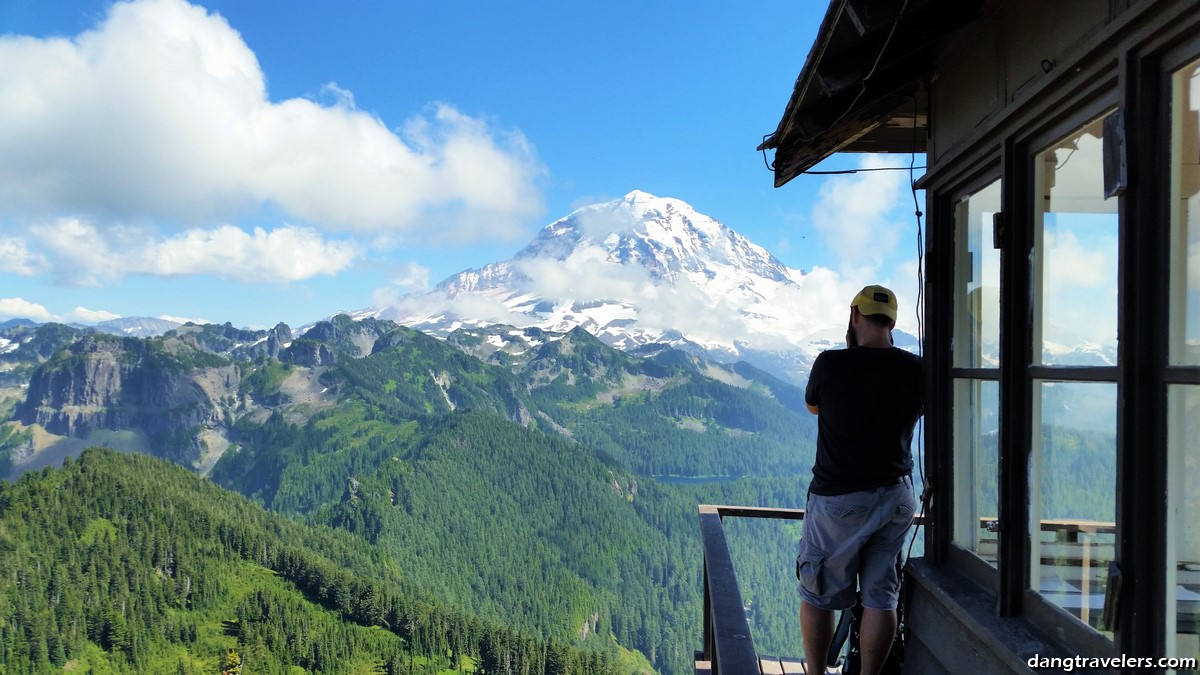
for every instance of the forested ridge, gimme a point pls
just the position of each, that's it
(512, 493)
(124, 563)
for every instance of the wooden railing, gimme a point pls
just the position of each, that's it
(728, 645)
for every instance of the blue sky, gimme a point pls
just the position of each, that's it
(267, 161)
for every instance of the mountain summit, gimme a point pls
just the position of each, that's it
(634, 271)
(667, 237)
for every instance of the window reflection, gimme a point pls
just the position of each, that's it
(1072, 496)
(1183, 541)
(976, 468)
(1185, 219)
(977, 281)
(1075, 249)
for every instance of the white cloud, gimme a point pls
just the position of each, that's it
(85, 315)
(816, 307)
(162, 112)
(1079, 291)
(16, 258)
(1193, 266)
(599, 223)
(412, 276)
(586, 273)
(181, 319)
(408, 278)
(283, 254)
(84, 255)
(852, 213)
(482, 307)
(821, 305)
(20, 308)
(1071, 262)
(905, 285)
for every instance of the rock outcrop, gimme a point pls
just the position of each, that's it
(163, 387)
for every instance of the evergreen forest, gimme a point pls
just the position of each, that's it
(365, 498)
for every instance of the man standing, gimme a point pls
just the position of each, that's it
(867, 399)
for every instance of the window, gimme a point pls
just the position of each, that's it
(1185, 219)
(976, 423)
(1183, 542)
(1183, 400)
(976, 357)
(977, 282)
(1075, 246)
(1073, 453)
(1072, 497)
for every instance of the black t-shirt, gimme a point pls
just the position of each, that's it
(869, 400)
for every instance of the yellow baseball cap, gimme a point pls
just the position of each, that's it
(876, 300)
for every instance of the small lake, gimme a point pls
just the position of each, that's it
(695, 480)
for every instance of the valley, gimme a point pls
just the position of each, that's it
(517, 491)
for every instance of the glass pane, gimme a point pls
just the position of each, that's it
(1183, 527)
(976, 421)
(977, 281)
(1072, 494)
(1075, 249)
(1185, 219)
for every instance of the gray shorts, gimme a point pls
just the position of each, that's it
(855, 539)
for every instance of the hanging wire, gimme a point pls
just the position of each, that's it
(908, 168)
(920, 310)
(878, 58)
(770, 165)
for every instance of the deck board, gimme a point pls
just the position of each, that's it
(792, 666)
(769, 665)
(786, 665)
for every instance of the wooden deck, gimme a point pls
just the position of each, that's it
(773, 665)
(767, 665)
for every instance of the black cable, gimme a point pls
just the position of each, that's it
(909, 169)
(770, 165)
(926, 492)
(878, 58)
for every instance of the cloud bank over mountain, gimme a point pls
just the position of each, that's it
(645, 269)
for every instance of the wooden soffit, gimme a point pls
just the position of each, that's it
(863, 85)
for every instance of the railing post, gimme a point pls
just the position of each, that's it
(728, 647)
(727, 634)
(708, 620)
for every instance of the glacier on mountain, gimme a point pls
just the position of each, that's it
(639, 270)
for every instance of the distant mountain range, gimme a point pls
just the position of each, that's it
(510, 473)
(636, 272)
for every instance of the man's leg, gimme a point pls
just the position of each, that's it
(816, 630)
(875, 637)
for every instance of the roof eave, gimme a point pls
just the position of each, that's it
(863, 86)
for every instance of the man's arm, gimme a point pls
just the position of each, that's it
(812, 408)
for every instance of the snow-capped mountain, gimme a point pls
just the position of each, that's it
(137, 326)
(635, 271)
